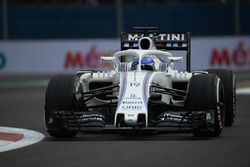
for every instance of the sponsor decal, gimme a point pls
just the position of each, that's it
(131, 115)
(131, 107)
(133, 102)
(240, 56)
(90, 59)
(172, 117)
(91, 117)
(2, 61)
(133, 96)
(160, 37)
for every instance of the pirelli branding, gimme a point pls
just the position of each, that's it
(179, 37)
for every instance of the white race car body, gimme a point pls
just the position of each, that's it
(143, 91)
(134, 85)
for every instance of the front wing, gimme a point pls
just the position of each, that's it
(95, 122)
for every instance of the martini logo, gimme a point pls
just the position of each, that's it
(160, 37)
(239, 56)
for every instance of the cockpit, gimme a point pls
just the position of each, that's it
(147, 63)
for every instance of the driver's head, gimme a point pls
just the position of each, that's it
(147, 63)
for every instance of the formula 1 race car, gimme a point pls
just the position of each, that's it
(143, 92)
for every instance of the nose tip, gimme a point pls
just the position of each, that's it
(130, 118)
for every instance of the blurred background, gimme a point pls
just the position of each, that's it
(40, 38)
(44, 37)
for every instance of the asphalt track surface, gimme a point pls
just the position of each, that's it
(23, 108)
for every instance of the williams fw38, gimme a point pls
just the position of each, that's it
(143, 92)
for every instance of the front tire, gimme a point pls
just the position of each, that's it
(206, 94)
(229, 84)
(59, 97)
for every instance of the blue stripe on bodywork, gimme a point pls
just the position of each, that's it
(123, 87)
(145, 87)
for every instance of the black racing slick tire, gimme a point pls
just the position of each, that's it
(229, 84)
(206, 94)
(59, 97)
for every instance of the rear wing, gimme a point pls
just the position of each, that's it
(169, 41)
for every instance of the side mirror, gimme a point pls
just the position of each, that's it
(175, 59)
(107, 59)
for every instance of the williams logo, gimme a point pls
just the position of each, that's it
(131, 115)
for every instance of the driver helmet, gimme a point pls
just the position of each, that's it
(147, 63)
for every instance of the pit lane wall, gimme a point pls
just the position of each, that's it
(66, 56)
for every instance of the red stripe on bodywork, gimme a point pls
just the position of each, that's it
(10, 136)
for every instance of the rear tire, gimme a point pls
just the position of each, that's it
(59, 97)
(206, 94)
(229, 84)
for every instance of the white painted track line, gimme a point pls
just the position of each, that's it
(29, 137)
(243, 91)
